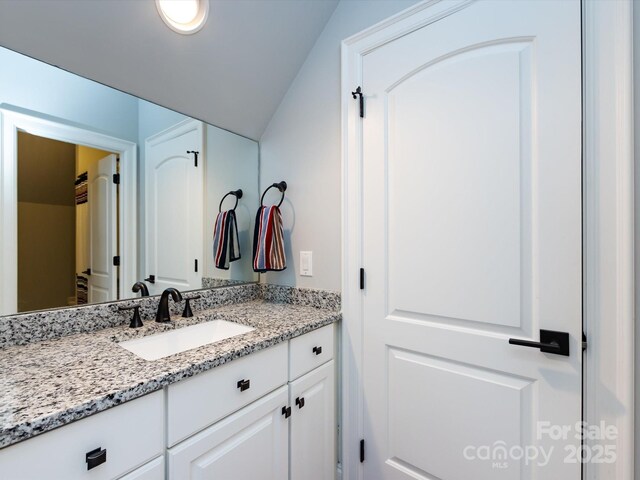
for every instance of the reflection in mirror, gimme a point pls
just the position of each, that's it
(101, 190)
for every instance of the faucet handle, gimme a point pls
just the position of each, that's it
(136, 321)
(187, 312)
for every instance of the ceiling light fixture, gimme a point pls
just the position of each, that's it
(183, 16)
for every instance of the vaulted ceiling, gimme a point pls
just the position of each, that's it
(233, 73)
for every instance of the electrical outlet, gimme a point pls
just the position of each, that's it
(306, 264)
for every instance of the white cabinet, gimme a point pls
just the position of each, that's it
(289, 433)
(310, 350)
(154, 470)
(120, 438)
(238, 421)
(251, 444)
(313, 425)
(202, 400)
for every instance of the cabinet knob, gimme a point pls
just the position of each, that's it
(96, 457)
(317, 350)
(244, 384)
(286, 411)
(300, 402)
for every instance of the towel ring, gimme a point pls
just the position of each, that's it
(281, 186)
(235, 193)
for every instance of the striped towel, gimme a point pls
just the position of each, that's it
(82, 289)
(226, 248)
(81, 188)
(268, 240)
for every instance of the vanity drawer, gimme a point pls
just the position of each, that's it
(202, 400)
(130, 433)
(154, 470)
(310, 350)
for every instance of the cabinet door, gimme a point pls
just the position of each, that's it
(313, 425)
(248, 445)
(122, 438)
(154, 470)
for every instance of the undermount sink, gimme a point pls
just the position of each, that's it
(180, 340)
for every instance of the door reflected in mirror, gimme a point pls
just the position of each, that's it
(110, 190)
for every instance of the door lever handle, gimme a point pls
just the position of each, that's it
(550, 342)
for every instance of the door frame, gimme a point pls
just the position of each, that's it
(14, 119)
(608, 223)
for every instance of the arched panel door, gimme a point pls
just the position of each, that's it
(103, 230)
(472, 237)
(173, 208)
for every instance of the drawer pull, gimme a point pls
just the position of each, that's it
(96, 457)
(317, 350)
(286, 411)
(244, 385)
(300, 402)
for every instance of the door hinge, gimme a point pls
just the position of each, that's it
(355, 95)
(116, 261)
(362, 279)
(362, 450)
(195, 265)
(195, 157)
(584, 341)
(116, 178)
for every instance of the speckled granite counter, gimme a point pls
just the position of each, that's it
(51, 383)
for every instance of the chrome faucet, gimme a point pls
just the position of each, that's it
(140, 286)
(163, 314)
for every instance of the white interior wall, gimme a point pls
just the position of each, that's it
(636, 75)
(232, 163)
(302, 145)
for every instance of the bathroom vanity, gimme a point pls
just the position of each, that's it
(256, 405)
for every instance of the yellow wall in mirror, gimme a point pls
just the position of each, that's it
(86, 156)
(46, 223)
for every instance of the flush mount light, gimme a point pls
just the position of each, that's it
(183, 16)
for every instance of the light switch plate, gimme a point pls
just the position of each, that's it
(306, 264)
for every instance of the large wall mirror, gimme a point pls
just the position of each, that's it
(100, 190)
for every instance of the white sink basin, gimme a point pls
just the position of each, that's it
(164, 344)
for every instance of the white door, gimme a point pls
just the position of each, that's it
(174, 198)
(248, 445)
(313, 425)
(103, 229)
(472, 236)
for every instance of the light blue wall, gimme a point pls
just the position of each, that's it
(231, 163)
(153, 118)
(36, 86)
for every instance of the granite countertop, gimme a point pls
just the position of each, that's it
(51, 383)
